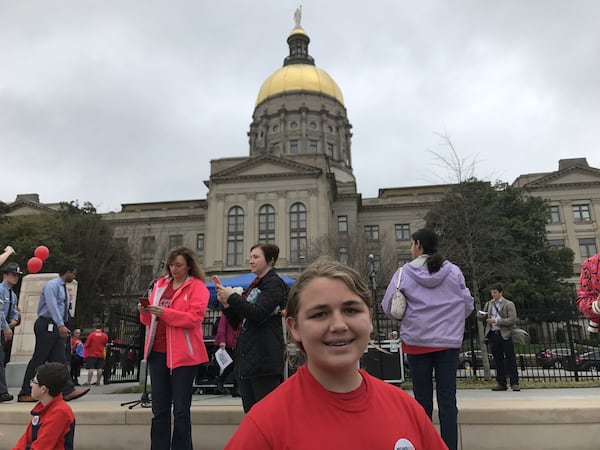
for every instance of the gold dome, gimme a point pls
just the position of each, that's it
(299, 77)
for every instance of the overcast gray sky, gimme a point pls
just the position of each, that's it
(128, 101)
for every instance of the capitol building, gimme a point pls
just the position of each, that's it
(296, 188)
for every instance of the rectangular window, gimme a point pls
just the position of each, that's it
(375, 264)
(200, 242)
(343, 224)
(343, 255)
(312, 146)
(148, 245)
(330, 150)
(557, 243)
(372, 232)
(146, 276)
(587, 247)
(581, 213)
(175, 240)
(294, 146)
(553, 214)
(402, 231)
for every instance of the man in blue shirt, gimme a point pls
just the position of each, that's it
(51, 333)
(8, 320)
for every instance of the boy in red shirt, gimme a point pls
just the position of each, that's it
(94, 347)
(52, 426)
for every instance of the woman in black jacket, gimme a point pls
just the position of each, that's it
(260, 349)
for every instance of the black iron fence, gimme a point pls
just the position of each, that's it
(561, 347)
(125, 348)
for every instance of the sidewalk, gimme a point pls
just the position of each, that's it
(532, 418)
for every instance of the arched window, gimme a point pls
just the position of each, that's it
(235, 236)
(297, 232)
(266, 224)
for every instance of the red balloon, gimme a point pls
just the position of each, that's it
(42, 252)
(34, 264)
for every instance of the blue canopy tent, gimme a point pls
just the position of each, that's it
(239, 281)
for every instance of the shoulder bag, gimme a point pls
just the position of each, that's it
(518, 335)
(398, 300)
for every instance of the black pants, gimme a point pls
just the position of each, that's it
(504, 357)
(49, 347)
(254, 389)
(7, 347)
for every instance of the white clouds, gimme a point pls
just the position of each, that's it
(120, 93)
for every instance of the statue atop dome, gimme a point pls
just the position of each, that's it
(298, 17)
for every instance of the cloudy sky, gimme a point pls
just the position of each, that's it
(128, 101)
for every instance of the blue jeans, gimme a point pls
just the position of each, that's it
(422, 368)
(167, 388)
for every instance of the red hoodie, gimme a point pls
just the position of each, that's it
(183, 320)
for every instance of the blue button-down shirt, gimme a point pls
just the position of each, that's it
(52, 301)
(9, 312)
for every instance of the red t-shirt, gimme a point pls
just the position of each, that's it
(160, 340)
(95, 343)
(301, 414)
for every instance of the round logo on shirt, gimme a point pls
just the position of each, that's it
(35, 420)
(404, 444)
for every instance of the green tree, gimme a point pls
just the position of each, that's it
(495, 234)
(79, 236)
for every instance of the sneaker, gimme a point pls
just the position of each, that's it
(87, 383)
(97, 383)
(26, 398)
(515, 387)
(499, 387)
(6, 397)
(75, 394)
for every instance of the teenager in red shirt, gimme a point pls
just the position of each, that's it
(330, 402)
(95, 345)
(52, 426)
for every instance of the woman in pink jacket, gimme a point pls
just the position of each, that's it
(175, 346)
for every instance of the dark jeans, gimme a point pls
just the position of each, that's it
(167, 388)
(254, 389)
(422, 368)
(3, 388)
(76, 363)
(49, 347)
(505, 359)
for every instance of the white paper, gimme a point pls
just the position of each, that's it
(223, 359)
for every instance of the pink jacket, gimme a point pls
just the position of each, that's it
(185, 339)
(225, 333)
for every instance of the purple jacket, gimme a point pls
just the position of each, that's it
(437, 305)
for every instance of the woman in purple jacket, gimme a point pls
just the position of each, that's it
(438, 302)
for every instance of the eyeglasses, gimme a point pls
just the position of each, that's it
(34, 381)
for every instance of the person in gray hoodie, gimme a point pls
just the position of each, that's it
(438, 302)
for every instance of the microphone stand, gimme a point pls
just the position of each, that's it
(146, 399)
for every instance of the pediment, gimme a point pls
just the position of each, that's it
(266, 166)
(574, 175)
(26, 208)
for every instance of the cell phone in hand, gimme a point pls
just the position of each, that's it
(144, 302)
(215, 279)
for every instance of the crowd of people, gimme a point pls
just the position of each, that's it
(328, 315)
